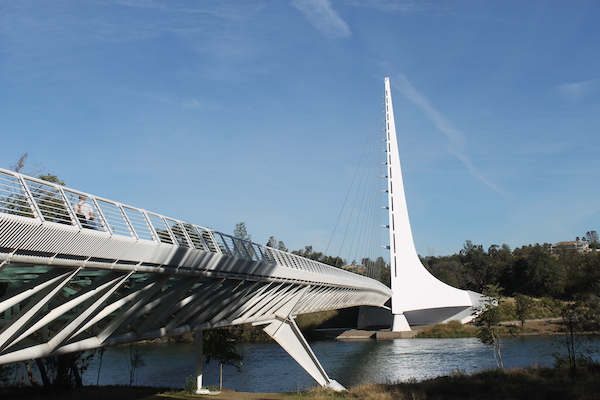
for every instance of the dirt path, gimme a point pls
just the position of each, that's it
(541, 327)
(227, 395)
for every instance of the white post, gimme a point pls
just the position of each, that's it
(198, 354)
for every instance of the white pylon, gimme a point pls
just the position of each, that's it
(419, 298)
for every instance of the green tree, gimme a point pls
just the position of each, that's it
(583, 276)
(487, 320)
(592, 238)
(579, 318)
(51, 178)
(136, 361)
(536, 272)
(65, 370)
(523, 304)
(6, 372)
(477, 265)
(333, 261)
(276, 244)
(501, 261)
(219, 345)
(374, 268)
(241, 232)
(448, 269)
(311, 254)
(386, 275)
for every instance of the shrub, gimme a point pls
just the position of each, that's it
(451, 329)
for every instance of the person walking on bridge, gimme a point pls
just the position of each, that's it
(85, 213)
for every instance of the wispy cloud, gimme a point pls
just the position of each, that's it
(186, 103)
(196, 104)
(456, 137)
(404, 6)
(220, 39)
(324, 18)
(579, 90)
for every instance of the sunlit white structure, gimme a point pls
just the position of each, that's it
(419, 298)
(68, 285)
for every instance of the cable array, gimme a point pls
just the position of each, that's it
(362, 217)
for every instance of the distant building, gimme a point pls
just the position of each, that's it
(582, 247)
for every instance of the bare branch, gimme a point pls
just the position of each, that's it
(20, 164)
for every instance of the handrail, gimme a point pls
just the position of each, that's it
(51, 203)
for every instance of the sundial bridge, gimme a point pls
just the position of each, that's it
(70, 284)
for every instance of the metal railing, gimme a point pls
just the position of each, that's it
(51, 203)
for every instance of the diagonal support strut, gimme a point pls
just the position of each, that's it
(285, 332)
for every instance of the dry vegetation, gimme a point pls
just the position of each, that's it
(516, 384)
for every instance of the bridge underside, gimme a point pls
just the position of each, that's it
(68, 285)
(47, 310)
(50, 310)
(57, 303)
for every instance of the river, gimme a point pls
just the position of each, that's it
(268, 368)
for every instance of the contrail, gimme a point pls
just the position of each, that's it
(456, 137)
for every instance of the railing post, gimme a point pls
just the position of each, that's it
(127, 221)
(30, 198)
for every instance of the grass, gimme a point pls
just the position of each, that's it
(87, 393)
(544, 307)
(517, 384)
(452, 329)
(513, 384)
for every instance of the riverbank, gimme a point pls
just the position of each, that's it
(136, 393)
(541, 327)
(514, 384)
(534, 327)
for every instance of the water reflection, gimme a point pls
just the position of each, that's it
(267, 368)
(401, 360)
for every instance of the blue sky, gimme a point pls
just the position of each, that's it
(217, 111)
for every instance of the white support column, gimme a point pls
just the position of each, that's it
(399, 323)
(285, 332)
(198, 354)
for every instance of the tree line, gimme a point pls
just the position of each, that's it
(533, 270)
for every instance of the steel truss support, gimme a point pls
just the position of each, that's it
(285, 332)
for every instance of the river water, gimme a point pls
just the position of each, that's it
(268, 368)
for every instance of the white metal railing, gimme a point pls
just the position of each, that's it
(28, 197)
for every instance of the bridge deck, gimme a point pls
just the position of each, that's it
(69, 284)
